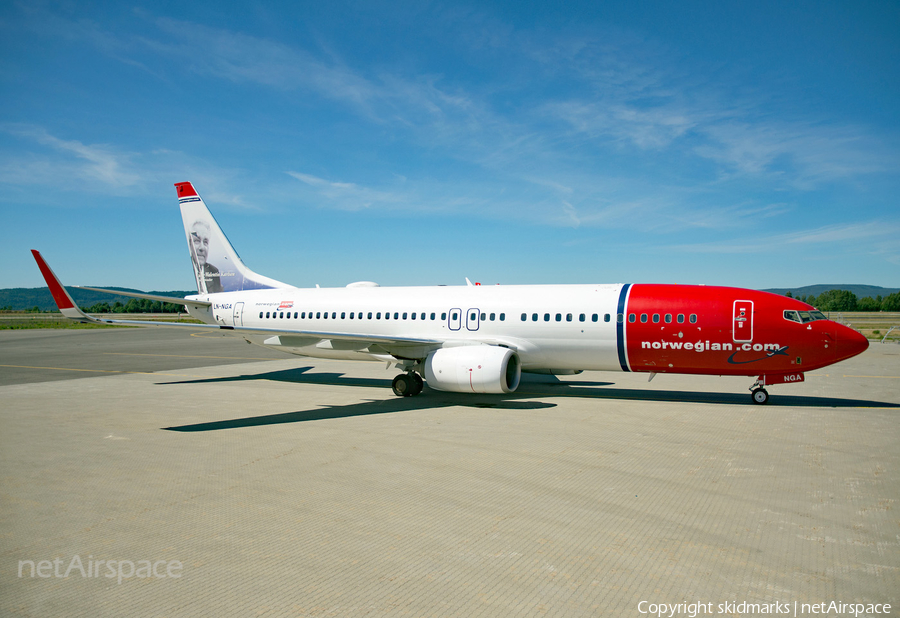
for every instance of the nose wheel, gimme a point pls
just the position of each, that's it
(407, 384)
(760, 396)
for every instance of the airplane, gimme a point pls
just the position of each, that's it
(479, 339)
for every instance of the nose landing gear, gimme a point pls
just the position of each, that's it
(760, 396)
(758, 392)
(408, 384)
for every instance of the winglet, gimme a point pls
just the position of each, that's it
(65, 303)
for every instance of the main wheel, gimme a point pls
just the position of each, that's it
(418, 383)
(760, 396)
(403, 385)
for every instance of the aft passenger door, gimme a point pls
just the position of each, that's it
(238, 314)
(742, 321)
(473, 319)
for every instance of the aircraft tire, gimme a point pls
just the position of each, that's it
(418, 383)
(403, 385)
(760, 396)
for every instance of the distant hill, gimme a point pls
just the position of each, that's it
(25, 298)
(861, 291)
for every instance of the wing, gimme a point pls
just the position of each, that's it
(199, 304)
(401, 347)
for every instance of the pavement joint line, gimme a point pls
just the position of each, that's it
(146, 373)
(188, 356)
(878, 377)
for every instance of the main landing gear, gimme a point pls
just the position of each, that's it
(758, 392)
(408, 384)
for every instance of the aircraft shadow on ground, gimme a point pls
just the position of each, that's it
(519, 400)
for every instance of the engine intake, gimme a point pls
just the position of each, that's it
(473, 369)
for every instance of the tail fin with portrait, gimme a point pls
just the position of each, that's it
(217, 266)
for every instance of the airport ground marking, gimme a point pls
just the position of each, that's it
(190, 356)
(880, 377)
(118, 371)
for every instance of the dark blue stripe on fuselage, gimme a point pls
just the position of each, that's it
(620, 327)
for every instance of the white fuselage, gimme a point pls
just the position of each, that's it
(566, 327)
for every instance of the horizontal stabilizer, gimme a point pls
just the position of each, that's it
(199, 304)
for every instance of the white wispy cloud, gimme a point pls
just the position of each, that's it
(348, 195)
(807, 154)
(84, 162)
(617, 93)
(867, 236)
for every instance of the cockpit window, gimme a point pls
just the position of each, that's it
(793, 316)
(804, 317)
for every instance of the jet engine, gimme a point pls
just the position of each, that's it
(473, 369)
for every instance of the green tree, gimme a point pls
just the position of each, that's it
(789, 295)
(836, 300)
(102, 307)
(891, 302)
(868, 304)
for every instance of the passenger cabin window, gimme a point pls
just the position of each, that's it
(582, 317)
(369, 315)
(620, 318)
(443, 316)
(524, 316)
(483, 316)
(343, 315)
(631, 318)
(559, 317)
(693, 318)
(656, 318)
(643, 318)
(502, 317)
(432, 316)
(546, 317)
(534, 317)
(568, 317)
(493, 315)
(404, 315)
(681, 318)
(668, 318)
(260, 314)
(606, 317)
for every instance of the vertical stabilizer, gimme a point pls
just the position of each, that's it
(217, 266)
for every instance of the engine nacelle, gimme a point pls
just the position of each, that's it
(473, 369)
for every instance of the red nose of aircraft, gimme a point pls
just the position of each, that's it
(848, 342)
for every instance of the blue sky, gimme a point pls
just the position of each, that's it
(748, 144)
